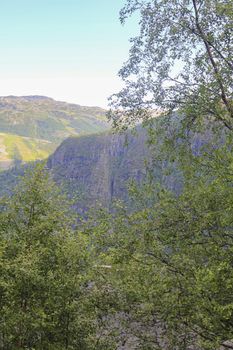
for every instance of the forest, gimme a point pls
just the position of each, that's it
(155, 272)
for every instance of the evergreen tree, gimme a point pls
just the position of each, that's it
(46, 300)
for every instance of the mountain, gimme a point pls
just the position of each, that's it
(97, 168)
(31, 127)
(94, 168)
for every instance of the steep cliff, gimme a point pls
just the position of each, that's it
(97, 168)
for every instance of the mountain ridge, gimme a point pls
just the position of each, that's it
(42, 118)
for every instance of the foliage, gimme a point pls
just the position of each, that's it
(172, 258)
(160, 276)
(181, 59)
(172, 263)
(48, 299)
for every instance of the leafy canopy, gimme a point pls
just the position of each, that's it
(181, 59)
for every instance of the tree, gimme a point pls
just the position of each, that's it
(181, 60)
(171, 263)
(171, 259)
(46, 298)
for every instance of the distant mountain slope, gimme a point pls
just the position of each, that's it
(14, 149)
(31, 127)
(98, 168)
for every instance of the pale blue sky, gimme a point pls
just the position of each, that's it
(67, 49)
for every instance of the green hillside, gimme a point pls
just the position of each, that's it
(31, 127)
(15, 149)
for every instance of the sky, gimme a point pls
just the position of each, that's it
(70, 50)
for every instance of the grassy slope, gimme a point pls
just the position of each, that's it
(32, 127)
(15, 148)
(45, 118)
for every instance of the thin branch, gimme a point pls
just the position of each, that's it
(212, 61)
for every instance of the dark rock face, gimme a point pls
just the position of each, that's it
(98, 167)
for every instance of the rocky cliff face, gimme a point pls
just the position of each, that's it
(98, 167)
